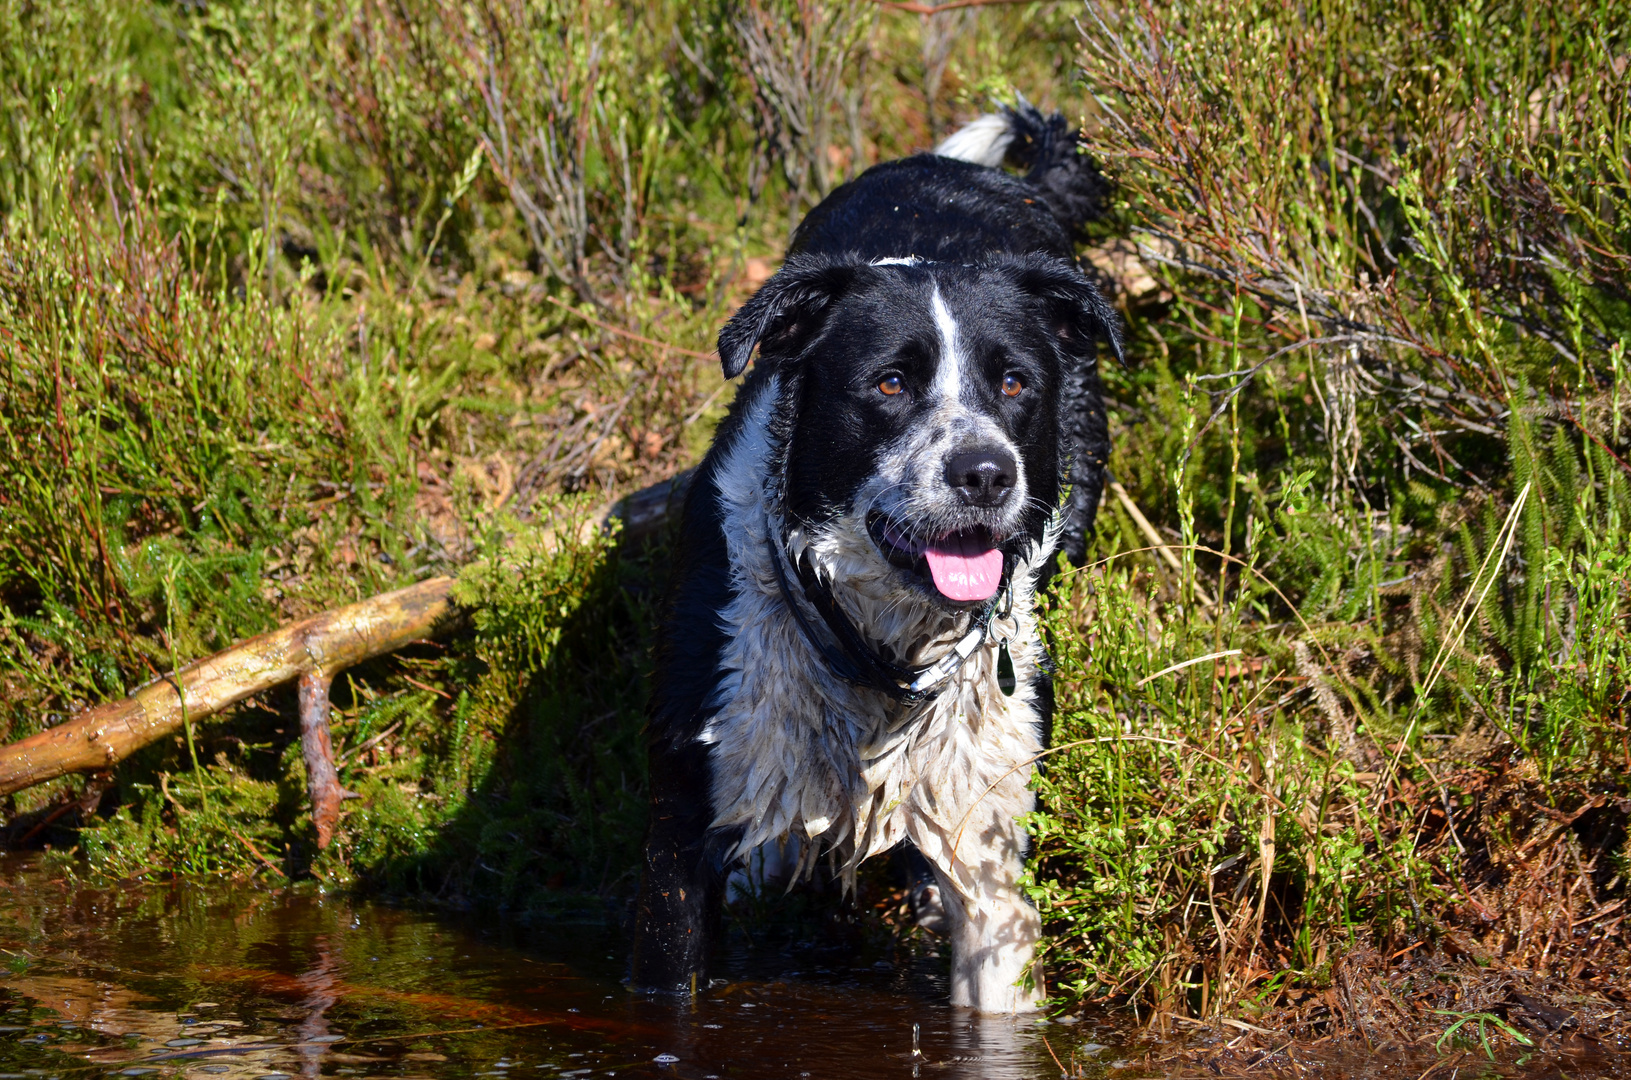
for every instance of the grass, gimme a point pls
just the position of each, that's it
(303, 301)
(1382, 405)
(1484, 1022)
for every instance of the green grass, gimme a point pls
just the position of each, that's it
(1380, 399)
(303, 301)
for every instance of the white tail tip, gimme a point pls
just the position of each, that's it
(982, 141)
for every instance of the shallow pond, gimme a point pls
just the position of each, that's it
(240, 983)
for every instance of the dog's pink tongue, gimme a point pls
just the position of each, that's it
(963, 570)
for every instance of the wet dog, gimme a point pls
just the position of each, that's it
(850, 659)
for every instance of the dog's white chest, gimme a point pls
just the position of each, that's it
(798, 753)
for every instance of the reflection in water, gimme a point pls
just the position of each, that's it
(320, 994)
(231, 983)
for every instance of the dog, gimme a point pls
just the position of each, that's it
(850, 661)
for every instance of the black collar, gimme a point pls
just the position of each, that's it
(856, 662)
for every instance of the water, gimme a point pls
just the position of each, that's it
(239, 982)
(226, 981)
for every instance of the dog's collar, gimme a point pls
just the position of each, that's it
(856, 662)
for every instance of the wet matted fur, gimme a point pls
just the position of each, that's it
(922, 433)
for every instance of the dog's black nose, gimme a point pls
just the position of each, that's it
(982, 477)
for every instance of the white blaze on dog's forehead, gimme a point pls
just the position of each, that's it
(948, 374)
(910, 260)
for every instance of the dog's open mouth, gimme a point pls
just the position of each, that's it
(965, 566)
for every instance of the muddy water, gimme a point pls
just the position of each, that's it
(240, 983)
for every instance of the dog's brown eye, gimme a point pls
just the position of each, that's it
(1011, 385)
(891, 386)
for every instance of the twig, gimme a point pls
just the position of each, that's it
(1245, 377)
(1594, 437)
(373, 742)
(706, 405)
(1443, 1063)
(615, 329)
(1162, 548)
(1180, 665)
(1510, 530)
(426, 687)
(255, 851)
(50, 820)
(1062, 1070)
(913, 8)
(1241, 1025)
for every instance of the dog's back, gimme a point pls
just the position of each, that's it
(955, 204)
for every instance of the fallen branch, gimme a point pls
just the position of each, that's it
(312, 651)
(324, 644)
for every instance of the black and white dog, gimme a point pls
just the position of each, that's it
(850, 659)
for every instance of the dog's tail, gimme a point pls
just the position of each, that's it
(1049, 149)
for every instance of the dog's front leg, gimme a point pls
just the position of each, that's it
(678, 906)
(994, 928)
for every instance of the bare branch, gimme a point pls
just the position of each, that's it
(326, 643)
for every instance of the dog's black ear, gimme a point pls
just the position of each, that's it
(1079, 318)
(785, 313)
(1078, 313)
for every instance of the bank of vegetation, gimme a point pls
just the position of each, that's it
(307, 300)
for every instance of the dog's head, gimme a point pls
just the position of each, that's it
(941, 409)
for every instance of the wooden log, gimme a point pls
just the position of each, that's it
(313, 651)
(324, 644)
